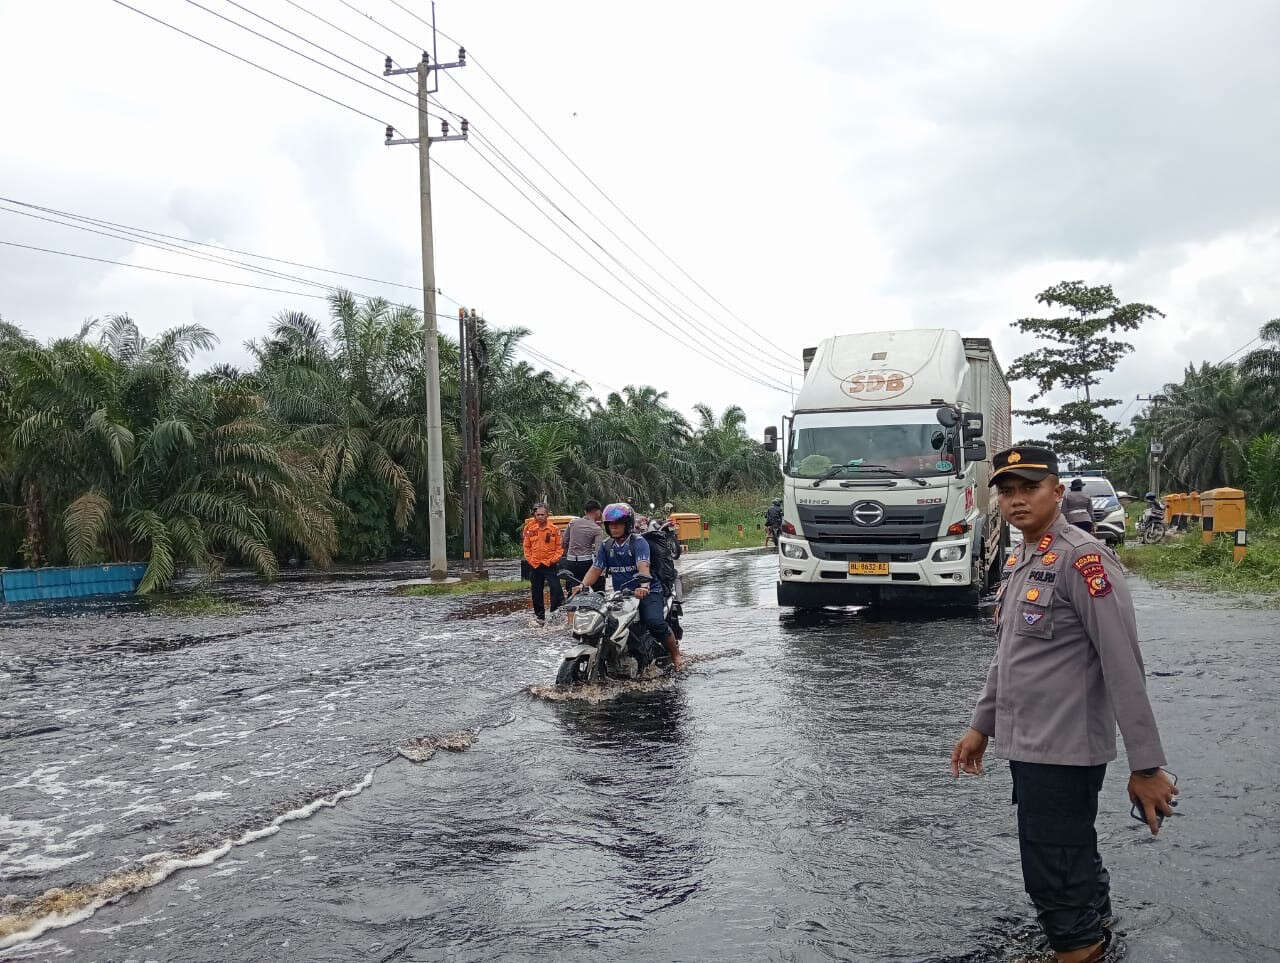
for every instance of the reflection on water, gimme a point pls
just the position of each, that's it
(242, 785)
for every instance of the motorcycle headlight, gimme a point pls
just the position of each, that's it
(791, 550)
(587, 621)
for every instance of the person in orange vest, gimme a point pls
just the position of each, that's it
(542, 550)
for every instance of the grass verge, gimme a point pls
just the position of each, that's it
(199, 604)
(1183, 560)
(724, 513)
(476, 587)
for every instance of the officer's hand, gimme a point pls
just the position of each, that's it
(968, 752)
(1153, 795)
(641, 592)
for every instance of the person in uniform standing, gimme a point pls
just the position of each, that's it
(1067, 669)
(581, 540)
(1077, 507)
(542, 549)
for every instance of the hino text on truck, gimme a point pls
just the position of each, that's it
(885, 465)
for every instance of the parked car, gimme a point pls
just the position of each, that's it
(1108, 514)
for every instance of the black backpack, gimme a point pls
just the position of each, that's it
(662, 563)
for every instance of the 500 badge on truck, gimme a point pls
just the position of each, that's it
(875, 385)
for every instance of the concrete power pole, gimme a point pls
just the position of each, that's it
(1155, 453)
(431, 342)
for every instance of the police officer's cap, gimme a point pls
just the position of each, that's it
(1026, 461)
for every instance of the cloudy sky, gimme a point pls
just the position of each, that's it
(818, 168)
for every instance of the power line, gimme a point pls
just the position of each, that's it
(143, 267)
(754, 367)
(369, 16)
(601, 191)
(762, 356)
(186, 240)
(1239, 349)
(596, 284)
(299, 53)
(772, 359)
(245, 60)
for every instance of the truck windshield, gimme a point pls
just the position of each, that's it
(909, 449)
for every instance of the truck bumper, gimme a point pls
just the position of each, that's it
(812, 581)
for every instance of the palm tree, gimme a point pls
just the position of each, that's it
(726, 457)
(1208, 422)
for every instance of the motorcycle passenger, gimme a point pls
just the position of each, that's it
(624, 556)
(773, 521)
(1077, 507)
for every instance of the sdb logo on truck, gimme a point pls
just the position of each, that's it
(875, 385)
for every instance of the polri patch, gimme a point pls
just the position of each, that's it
(1099, 585)
(1033, 594)
(1049, 558)
(1045, 543)
(1040, 575)
(1031, 618)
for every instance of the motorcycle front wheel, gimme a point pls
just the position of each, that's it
(1153, 533)
(574, 671)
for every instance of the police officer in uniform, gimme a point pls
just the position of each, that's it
(1067, 670)
(1077, 507)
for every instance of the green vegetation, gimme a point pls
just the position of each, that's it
(111, 449)
(194, 605)
(1084, 345)
(724, 513)
(473, 587)
(1183, 560)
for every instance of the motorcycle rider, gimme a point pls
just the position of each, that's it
(624, 556)
(1077, 507)
(773, 521)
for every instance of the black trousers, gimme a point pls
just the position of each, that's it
(544, 576)
(1061, 869)
(579, 570)
(1084, 526)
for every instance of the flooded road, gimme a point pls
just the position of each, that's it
(339, 773)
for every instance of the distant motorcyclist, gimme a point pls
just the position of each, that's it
(624, 556)
(773, 521)
(1077, 507)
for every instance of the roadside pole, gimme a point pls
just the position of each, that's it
(430, 336)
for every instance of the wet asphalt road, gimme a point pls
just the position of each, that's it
(786, 798)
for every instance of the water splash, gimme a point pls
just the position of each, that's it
(596, 692)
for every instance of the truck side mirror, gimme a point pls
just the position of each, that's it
(770, 438)
(973, 425)
(948, 417)
(975, 451)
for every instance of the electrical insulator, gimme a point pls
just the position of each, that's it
(388, 63)
(462, 55)
(464, 127)
(390, 132)
(426, 58)
(444, 128)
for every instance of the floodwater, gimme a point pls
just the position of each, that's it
(339, 773)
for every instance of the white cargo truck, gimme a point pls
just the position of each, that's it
(886, 466)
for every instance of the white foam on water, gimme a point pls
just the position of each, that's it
(208, 796)
(58, 908)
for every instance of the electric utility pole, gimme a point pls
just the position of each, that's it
(1156, 451)
(431, 343)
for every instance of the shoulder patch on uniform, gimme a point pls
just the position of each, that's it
(1099, 584)
(1045, 543)
(1049, 558)
(1084, 561)
(1031, 618)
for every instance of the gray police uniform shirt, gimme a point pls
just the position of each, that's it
(581, 538)
(1077, 507)
(1067, 667)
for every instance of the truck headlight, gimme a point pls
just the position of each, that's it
(950, 553)
(792, 550)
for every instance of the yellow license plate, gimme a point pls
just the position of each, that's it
(868, 568)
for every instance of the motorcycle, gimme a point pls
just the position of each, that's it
(609, 640)
(1151, 526)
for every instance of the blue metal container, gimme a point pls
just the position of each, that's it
(70, 582)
